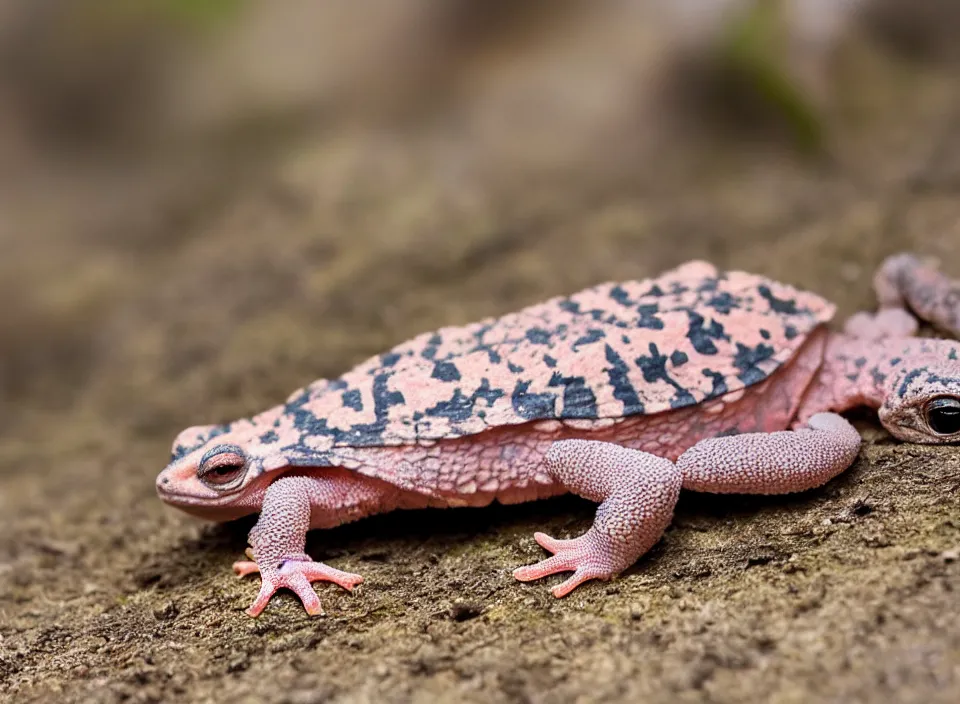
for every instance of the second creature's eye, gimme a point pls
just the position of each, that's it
(943, 416)
(222, 468)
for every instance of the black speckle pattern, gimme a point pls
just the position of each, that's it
(614, 350)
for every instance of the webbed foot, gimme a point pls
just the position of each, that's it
(296, 574)
(587, 557)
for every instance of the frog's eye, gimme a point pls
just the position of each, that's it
(222, 468)
(943, 415)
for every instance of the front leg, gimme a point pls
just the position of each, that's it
(278, 540)
(905, 283)
(772, 463)
(638, 492)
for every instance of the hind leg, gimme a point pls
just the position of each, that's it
(772, 463)
(907, 285)
(637, 491)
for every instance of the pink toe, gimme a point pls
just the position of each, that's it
(548, 543)
(544, 568)
(300, 585)
(243, 568)
(524, 574)
(317, 571)
(578, 578)
(267, 590)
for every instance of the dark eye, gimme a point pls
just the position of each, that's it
(223, 469)
(943, 416)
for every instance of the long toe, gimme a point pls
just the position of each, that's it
(575, 580)
(300, 585)
(267, 589)
(553, 545)
(317, 572)
(242, 568)
(544, 568)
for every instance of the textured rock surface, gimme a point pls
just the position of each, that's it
(148, 300)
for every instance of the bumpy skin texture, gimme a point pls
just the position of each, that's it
(772, 463)
(622, 394)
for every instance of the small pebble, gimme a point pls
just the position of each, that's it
(167, 612)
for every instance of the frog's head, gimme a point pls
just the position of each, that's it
(220, 472)
(921, 401)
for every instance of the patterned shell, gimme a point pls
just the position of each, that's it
(614, 350)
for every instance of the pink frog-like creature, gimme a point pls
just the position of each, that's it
(624, 393)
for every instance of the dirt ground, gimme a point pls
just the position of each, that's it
(209, 280)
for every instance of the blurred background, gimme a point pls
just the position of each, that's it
(188, 184)
(205, 204)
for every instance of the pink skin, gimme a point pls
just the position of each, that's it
(633, 466)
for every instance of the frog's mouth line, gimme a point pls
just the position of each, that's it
(226, 499)
(218, 508)
(182, 500)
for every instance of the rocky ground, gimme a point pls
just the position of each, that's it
(208, 279)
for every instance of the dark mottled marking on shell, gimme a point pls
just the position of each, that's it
(778, 305)
(352, 399)
(648, 317)
(619, 294)
(618, 374)
(593, 335)
(747, 360)
(719, 387)
(532, 406)
(723, 303)
(703, 335)
(613, 350)
(538, 336)
(578, 398)
(446, 371)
